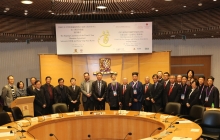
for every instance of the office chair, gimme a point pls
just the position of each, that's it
(59, 108)
(17, 114)
(210, 125)
(195, 114)
(5, 118)
(172, 108)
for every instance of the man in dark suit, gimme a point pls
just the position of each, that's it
(30, 89)
(202, 88)
(192, 97)
(147, 87)
(61, 93)
(156, 94)
(160, 77)
(212, 94)
(87, 97)
(49, 94)
(172, 91)
(75, 93)
(137, 92)
(126, 96)
(166, 82)
(39, 100)
(113, 93)
(99, 89)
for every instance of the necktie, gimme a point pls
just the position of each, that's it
(73, 88)
(155, 86)
(146, 87)
(99, 88)
(171, 88)
(124, 88)
(164, 84)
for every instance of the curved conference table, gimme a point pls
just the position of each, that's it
(105, 125)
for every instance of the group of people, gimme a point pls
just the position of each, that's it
(136, 96)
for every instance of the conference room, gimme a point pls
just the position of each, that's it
(117, 42)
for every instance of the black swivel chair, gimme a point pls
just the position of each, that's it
(4, 118)
(172, 108)
(195, 114)
(210, 125)
(59, 108)
(17, 114)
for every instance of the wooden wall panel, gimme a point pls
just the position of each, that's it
(149, 64)
(56, 67)
(200, 64)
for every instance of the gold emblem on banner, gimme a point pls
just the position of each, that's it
(104, 39)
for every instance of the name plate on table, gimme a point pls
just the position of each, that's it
(6, 134)
(54, 115)
(148, 138)
(78, 113)
(122, 112)
(3, 127)
(185, 121)
(35, 119)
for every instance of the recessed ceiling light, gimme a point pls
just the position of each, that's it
(25, 11)
(156, 10)
(167, 0)
(78, 14)
(212, 36)
(52, 13)
(101, 7)
(214, 0)
(152, 8)
(132, 13)
(120, 11)
(200, 4)
(173, 36)
(25, 14)
(16, 39)
(26, 1)
(49, 11)
(5, 11)
(94, 12)
(194, 34)
(184, 6)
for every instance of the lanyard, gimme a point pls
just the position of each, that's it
(135, 84)
(207, 95)
(116, 86)
(202, 89)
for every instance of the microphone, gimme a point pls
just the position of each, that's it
(159, 128)
(41, 115)
(28, 121)
(31, 135)
(173, 123)
(129, 133)
(168, 117)
(60, 113)
(156, 113)
(22, 130)
(89, 136)
(14, 128)
(53, 135)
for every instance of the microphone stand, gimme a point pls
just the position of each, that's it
(156, 113)
(165, 120)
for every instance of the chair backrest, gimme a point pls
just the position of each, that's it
(4, 118)
(197, 111)
(211, 118)
(59, 108)
(16, 113)
(172, 108)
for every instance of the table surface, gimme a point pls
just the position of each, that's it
(113, 124)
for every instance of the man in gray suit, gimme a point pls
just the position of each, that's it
(9, 93)
(86, 88)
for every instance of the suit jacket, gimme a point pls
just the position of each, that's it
(95, 90)
(30, 91)
(139, 89)
(157, 93)
(161, 81)
(84, 91)
(193, 98)
(127, 97)
(174, 95)
(147, 94)
(202, 94)
(110, 98)
(39, 100)
(213, 97)
(184, 90)
(6, 96)
(75, 94)
(58, 95)
(47, 93)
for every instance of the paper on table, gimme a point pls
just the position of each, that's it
(166, 116)
(73, 113)
(148, 138)
(194, 130)
(149, 113)
(54, 115)
(181, 138)
(6, 134)
(3, 127)
(22, 121)
(185, 121)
